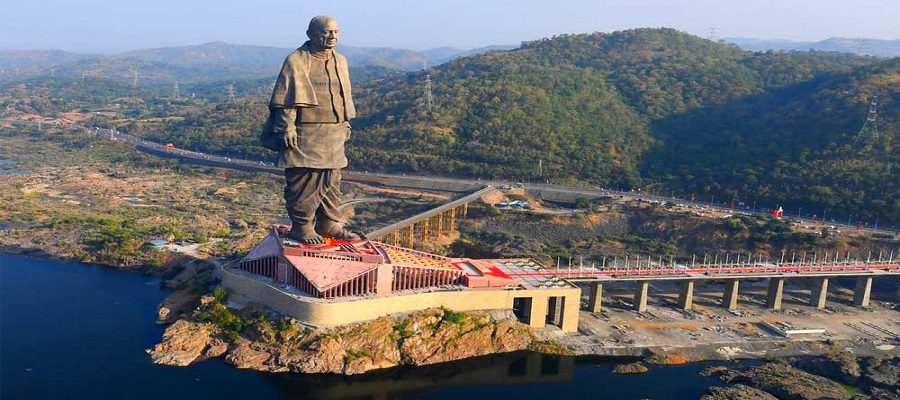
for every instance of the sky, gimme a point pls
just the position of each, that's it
(109, 26)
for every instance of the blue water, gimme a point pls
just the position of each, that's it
(75, 331)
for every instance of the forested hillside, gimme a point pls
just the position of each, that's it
(644, 108)
(651, 107)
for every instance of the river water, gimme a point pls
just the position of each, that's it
(76, 331)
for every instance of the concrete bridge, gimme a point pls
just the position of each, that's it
(732, 274)
(429, 225)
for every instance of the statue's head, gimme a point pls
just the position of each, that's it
(323, 32)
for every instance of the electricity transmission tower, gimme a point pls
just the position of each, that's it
(134, 73)
(869, 130)
(175, 92)
(230, 90)
(712, 34)
(428, 96)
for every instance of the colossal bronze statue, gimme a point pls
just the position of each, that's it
(308, 124)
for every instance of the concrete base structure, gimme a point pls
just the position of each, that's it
(775, 294)
(334, 313)
(730, 299)
(819, 293)
(595, 298)
(863, 291)
(640, 296)
(686, 295)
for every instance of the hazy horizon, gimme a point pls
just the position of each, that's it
(105, 26)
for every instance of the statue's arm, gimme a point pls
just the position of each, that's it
(285, 124)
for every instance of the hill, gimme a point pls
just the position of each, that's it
(650, 108)
(12, 59)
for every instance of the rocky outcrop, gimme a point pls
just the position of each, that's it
(175, 304)
(425, 337)
(839, 366)
(736, 392)
(243, 355)
(881, 377)
(182, 343)
(630, 368)
(439, 336)
(789, 383)
(714, 371)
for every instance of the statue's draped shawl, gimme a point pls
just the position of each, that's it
(294, 89)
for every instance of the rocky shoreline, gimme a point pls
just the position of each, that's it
(840, 375)
(259, 343)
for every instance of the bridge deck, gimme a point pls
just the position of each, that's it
(430, 213)
(716, 272)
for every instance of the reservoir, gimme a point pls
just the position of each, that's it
(77, 331)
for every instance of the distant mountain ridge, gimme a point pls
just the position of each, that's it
(10, 59)
(871, 47)
(250, 60)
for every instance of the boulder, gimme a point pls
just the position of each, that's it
(736, 392)
(183, 342)
(840, 366)
(630, 368)
(713, 371)
(216, 348)
(882, 376)
(789, 383)
(243, 355)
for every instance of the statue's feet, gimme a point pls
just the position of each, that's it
(338, 232)
(305, 236)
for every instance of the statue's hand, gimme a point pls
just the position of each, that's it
(290, 140)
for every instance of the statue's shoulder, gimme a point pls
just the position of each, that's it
(296, 56)
(340, 57)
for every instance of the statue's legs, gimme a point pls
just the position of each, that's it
(305, 190)
(312, 197)
(329, 219)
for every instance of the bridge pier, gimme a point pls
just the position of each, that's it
(730, 299)
(640, 296)
(818, 293)
(451, 226)
(595, 297)
(863, 291)
(409, 238)
(686, 295)
(439, 226)
(776, 293)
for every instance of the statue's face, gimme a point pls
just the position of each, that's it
(325, 37)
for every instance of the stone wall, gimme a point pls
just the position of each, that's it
(337, 312)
